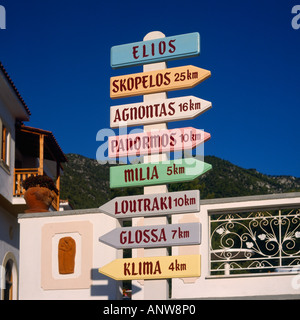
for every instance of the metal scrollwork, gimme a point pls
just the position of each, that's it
(255, 242)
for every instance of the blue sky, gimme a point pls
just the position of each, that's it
(58, 55)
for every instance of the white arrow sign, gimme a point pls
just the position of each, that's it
(153, 236)
(153, 204)
(158, 111)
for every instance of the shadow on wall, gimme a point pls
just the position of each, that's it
(106, 289)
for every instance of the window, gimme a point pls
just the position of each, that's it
(4, 142)
(9, 278)
(4, 145)
(8, 290)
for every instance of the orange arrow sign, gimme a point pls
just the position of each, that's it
(157, 81)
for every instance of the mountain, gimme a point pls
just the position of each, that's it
(85, 182)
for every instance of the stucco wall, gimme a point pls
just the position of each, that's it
(39, 235)
(274, 286)
(39, 277)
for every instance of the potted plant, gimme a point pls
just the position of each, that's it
(39, 193)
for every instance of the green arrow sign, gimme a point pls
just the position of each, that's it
(157, 173)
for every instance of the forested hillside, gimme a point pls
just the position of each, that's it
(85, 182)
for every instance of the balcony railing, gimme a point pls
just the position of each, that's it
(255, 242)
(22, 174)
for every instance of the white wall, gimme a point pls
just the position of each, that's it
(9, 234)
(9, 245)
(7, 177)
(39, 231)
(36, 276)
(274, 286)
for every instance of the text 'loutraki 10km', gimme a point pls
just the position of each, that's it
(154, 49)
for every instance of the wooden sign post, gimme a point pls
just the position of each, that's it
(161, 290)
(156, 171)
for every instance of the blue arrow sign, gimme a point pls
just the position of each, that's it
(157, 50)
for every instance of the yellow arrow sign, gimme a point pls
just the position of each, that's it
(153, 268)
(157, 81)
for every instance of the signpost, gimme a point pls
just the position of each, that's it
(153, 268)
(157, 81)
(154, 142)
(164, 172)
(154, 112)
(157, 111)
(156, 50)
(153, 236)
(152, 205)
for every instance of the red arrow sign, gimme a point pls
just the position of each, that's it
(154, 142)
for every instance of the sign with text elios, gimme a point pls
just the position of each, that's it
(158, 111)
(156, 50)
(157, 81)
(164, 172)
(153, 268)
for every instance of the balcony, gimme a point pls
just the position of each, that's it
(22, 174)
(37, 153)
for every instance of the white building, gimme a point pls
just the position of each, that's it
(24, 151)
(250, 249)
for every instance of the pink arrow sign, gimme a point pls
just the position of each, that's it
(153, 142)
